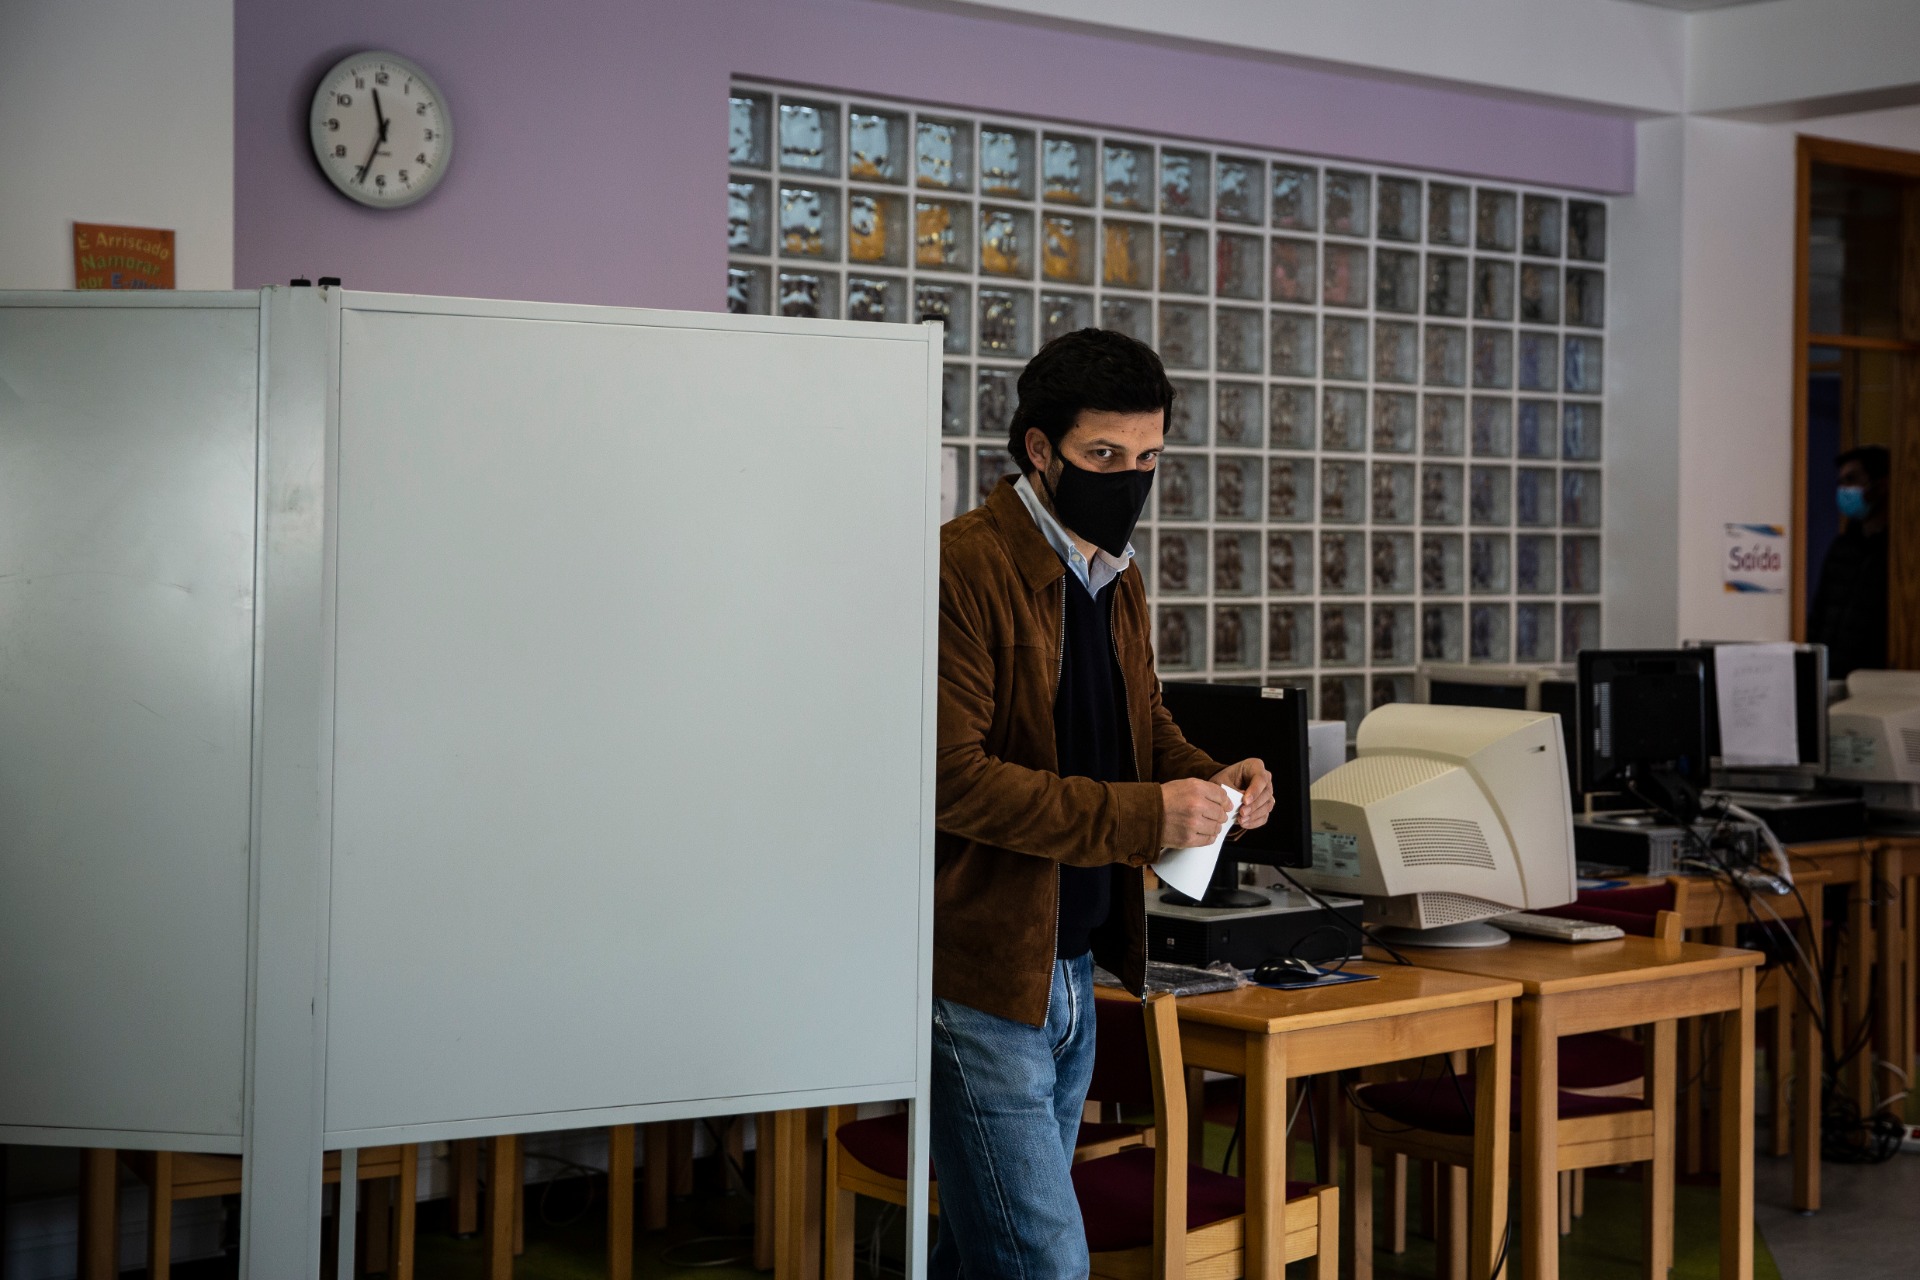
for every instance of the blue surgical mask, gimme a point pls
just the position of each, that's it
(1852, 500)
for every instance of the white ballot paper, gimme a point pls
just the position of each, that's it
(1753, 684)
(1190, 870)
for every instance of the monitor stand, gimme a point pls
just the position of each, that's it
(1475, 936)
(1223, 891)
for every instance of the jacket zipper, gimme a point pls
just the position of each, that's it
(1059, 672)
(1133, 751)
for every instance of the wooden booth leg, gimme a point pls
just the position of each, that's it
(620, 1202)
(502, 1191)
(406, 1209)
(764, 1182)
(99, 1214)
(465, 1156)
(656, 1181)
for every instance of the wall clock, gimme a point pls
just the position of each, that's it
(381, 130)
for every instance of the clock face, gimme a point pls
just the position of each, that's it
(381, 130)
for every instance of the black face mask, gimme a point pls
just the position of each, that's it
(1101, 506)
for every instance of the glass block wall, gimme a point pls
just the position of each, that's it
(1386, 444)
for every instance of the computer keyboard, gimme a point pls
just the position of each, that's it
(1557, 928)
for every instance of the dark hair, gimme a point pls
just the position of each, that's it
(1087, 369)
(1873, 459)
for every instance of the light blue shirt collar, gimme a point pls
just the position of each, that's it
(1095, 576)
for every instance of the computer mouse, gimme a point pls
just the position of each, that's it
(1281, 969)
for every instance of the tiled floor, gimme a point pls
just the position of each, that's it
(1870, 1229)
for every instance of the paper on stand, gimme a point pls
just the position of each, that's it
(1191, 870)
(1753, 685)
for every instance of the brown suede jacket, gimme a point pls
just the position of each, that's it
(1006, 819)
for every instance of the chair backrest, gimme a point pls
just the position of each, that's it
(1169, 1138)
(1122, 1066)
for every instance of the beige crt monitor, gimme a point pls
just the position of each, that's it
(1873, 738)
(1447, 816)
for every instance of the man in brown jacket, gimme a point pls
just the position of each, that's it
(1061, 776)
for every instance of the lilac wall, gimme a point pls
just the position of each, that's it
(590, 151)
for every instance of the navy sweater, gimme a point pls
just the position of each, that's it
(1091, 734)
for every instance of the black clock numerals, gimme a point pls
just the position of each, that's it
(343, 99)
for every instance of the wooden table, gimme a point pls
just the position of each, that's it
(1268, 1036)
(1897, 870)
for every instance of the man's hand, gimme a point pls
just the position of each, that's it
(1195, 812)
(1251, 779)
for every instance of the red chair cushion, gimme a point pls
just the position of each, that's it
(1600, 1060)
(1442, 1106)
(1116, 1198)
(1634, 910)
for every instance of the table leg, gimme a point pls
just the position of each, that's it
(1539, 1244)
(1779, 1068)
(1266, 1144)
(1860, 981)
(764, 1181)
(1811, 1066)
(501, 1185)
(1492, 1105)
(1358, 1209)
(1657, 1198)
(99, 1213)
(1736, 1137)
(1887, 985)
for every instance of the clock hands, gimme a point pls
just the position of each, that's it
(378, 141)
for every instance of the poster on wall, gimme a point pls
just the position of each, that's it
(1753, 559)
(107, 257)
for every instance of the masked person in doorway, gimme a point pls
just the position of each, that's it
(1061, 776)
(1849, 613)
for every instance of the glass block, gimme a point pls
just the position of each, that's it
(1580, 498)
(1493, 358)
(943, 154)
(1490, 496)
(1446, 357)
(1237, 338)
(1183, 183)
(749, 216)
(1392, 688)
(1182, 486)
(814, 295)
(1236, 487)
(1180, 639)
(1440, 638)
(1129, 177)
(1183, 335)
(1533, 633)
(1533, 565)
(998, 393)
(1342, 698)
(1582, 433)
(1131, 316)
(1446, 285)
(1540, 226)
(747, 290)
(1391, 569)
(1289, 563)
(956, 400)
(1343, 421)
(1343, 569)
(1494, 219)
(1236, 564)
(991, 464)
(1536, 498)
(1006, 242)
(1064, 313)
(1238, 185)
(1067, 248)
(1006, 323)
(1583, 366)
(1487, 563)
(1392, 633)
(1187, 421)
(1447, 217)
(876, 229)
(1126, 260)
(1346, 353)
(942, 235)
(1539, 293)
(1443, 426)
(1290, 421)
(1296, 197)
(1238, 266)
(748, 116)
(1295, 270)
(1348, 203)
(1236, 637)
(1440, 564)
(877, 298)
(810, 222)
(1492, 427)
(1392, 493)
(1539, 429)
(1343, 492)
(1586, 230)
(947, 303)
(953, 481)
(1181, 562)
(1183, 260)
(876, 145)
(1237, 413)
(1580, 566)
(1067, 169)
(1539, 366)
(1343, 280)
(810, 137)
(1289, 635)
(1292, 345)
(1441, 487)
(1487, 633)
(1006, 162)
(1343, 635)
(1396, 285)
(1394, 415)
(1586, 298)
(1579, 629)
(1492, 289)
(1290, 489)
(1399, 212)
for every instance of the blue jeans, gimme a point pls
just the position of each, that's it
(1006, 1111)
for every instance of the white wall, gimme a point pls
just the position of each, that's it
(116, 111)
(1779, 58)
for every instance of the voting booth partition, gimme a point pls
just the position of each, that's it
(429, 718)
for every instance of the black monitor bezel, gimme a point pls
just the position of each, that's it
(1597, 664)
(1266, 845)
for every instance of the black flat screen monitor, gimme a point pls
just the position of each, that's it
(1643, 714)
